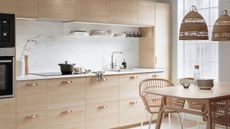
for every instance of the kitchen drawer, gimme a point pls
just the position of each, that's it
(66, 92)
(30, 88)
(131, 111)
(31, 120)
(73, 117)
(102, 91)
(31, 103)
(7, 113)
(102, 115)
(129, 85)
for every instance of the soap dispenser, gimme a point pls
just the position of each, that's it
(124, 64)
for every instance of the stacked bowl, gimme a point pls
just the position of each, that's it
(205, 84)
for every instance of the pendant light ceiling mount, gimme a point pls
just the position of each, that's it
(221, 29)
(193, 26)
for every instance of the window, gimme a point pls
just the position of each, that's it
(202, 53)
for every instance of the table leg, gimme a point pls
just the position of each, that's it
(209, 122)
(161, 113)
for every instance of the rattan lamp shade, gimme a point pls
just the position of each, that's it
(221, 29)
(193, 26)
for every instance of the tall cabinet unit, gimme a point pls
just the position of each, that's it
(8, 6)
(27, 8)
(155, 46)
(163, 38)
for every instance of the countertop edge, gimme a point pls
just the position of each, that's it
(35, 77)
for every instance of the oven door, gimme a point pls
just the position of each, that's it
(6, 77)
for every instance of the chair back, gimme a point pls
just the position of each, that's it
(152, 102)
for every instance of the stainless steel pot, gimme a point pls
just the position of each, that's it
(66, 68)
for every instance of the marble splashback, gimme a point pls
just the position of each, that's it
(53, 45)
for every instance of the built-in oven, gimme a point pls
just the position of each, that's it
(7, 30)
(6, 77)
(7, 55)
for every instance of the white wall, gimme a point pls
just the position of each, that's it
(224, 49)
(55, 46)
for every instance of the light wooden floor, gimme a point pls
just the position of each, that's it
(188, 124)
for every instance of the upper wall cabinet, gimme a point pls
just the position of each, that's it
(123, 11)
(27, 9)
(146, 12)
(8, 6)
(93, 11)
(64, 10)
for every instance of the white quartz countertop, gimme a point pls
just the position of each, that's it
(91, 74)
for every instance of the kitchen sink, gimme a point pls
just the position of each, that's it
(121, 70)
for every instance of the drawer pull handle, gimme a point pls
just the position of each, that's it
(32, 84)
(67, 82)
(32, 117)
(105, 79)
(133, 77)
(102, 107)
(133, 102)
(155, 76)
(67, 112)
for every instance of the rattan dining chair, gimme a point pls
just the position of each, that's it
(153, 102)
(191, 104)
(221, 113)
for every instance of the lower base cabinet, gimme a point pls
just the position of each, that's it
(7, 113)
(102, 115)
(75, 103)
(131, 111)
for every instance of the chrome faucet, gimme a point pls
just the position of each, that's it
(113, 64)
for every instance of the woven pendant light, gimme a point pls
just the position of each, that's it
(221, 29)
(193, 26)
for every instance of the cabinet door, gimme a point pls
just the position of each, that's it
(64, 10)
(129, 86)
(31, 96)
(123, 12)
(163, 38)
(8, 6)
(67, 92)
(102, 115)
(8, 114)
(131, 111)
(67, 118)
(93, 10)
(102, 91)
(27, 8)
(146, 12)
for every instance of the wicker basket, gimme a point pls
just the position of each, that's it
(193, 26)
(221, 29)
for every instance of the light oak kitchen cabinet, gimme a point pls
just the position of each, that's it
(146, 12)
(31, 104)
(163, 38)
(8, 6)
(64, 10)
(123, 11)
(102, 103)
(8, 113)
(93, 11)
(155, 45)
(27, 8)
(131, 107)
(66, 103)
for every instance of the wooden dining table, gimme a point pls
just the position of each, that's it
(221, 91)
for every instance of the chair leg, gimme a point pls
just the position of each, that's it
(150, 121)
(198, 122)
(181, 124)
(169, 120)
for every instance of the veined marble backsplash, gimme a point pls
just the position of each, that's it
(55, 46)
